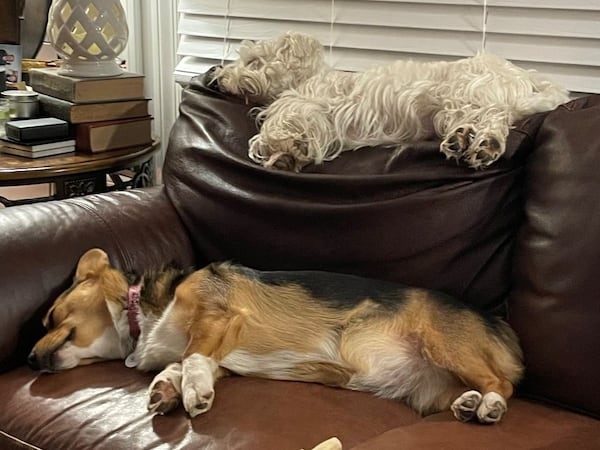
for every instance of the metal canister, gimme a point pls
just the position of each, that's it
(22, 104)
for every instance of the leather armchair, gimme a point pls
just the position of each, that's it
(519, 239)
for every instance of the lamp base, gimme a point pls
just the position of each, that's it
(90, 69)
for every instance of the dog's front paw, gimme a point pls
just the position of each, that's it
(164, 392)
(283, 153)
(163, 397)
(198, 379)
(465, 407)
(492, 408)
(197, 398)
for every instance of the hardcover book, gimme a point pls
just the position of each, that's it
(37, 146)
(31, 130)
(48, 81)
(114, 134)
(38, 154)
(37, 150)
(92, 112)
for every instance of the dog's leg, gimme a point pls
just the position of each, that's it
(165, 390)
(295, 131)
(200, 370)
(474, 135)
(329, 374)
(490, 379)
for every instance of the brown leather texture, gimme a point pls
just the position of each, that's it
(555, 308)
(103, 407)
(41, 243)
(417, 218)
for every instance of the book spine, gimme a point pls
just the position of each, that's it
(55, 107)
(50, 84)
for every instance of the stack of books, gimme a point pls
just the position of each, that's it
(36, 138)
(105, 113)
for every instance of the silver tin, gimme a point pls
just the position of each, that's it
(22, 104)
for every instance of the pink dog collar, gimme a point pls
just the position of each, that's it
(133, 303)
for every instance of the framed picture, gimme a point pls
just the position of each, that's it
(11, 58)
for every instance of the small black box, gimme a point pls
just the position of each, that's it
(31, 130)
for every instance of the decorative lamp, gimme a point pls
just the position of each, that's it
(88, 35)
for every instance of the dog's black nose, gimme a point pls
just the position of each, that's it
(32, 361)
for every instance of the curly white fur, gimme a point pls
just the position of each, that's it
(312, 113)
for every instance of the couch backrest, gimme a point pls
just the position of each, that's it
(556, 304)
(420, 220)
(417, 218)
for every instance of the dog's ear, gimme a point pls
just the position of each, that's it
(91, 264)
(47, 320)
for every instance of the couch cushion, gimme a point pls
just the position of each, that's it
(417, 218)
(556, 305)
(103, 406)
(526, 426)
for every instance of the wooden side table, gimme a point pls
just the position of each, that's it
(79, 173)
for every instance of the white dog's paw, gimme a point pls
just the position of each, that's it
(164, 393)
(477, 148)
(492, 408)
(465, 407)
(457, 142)
(197, 397)
(281, 153)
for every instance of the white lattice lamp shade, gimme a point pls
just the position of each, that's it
(89, 35)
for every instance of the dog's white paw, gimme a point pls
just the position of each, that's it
(197, 397)
(164, 392)
(197, 383)
(457, 142)
(465, 407)
(492, 408)
(477, 148)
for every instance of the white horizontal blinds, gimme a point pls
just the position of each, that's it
(560, 38)
(364, 32)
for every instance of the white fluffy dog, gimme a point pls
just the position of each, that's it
(312, 113)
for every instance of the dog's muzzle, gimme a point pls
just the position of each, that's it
(32, 361)
(210, 80)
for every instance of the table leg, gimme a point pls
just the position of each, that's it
(78, 186)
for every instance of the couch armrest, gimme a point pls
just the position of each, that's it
(41, 243)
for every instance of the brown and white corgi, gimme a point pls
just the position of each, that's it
(340, 330)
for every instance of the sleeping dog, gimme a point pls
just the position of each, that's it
(339, 330)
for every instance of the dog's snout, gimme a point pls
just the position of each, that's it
(32, 361)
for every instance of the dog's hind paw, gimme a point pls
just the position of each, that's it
(163, 397)
(465, 407)
(457, 142)
(492, 408)
(477, 148)
(483, 151)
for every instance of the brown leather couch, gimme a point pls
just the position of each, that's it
(521, 239)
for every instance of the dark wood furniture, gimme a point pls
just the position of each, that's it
(79, 174)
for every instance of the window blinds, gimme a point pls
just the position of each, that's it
(560, 38)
